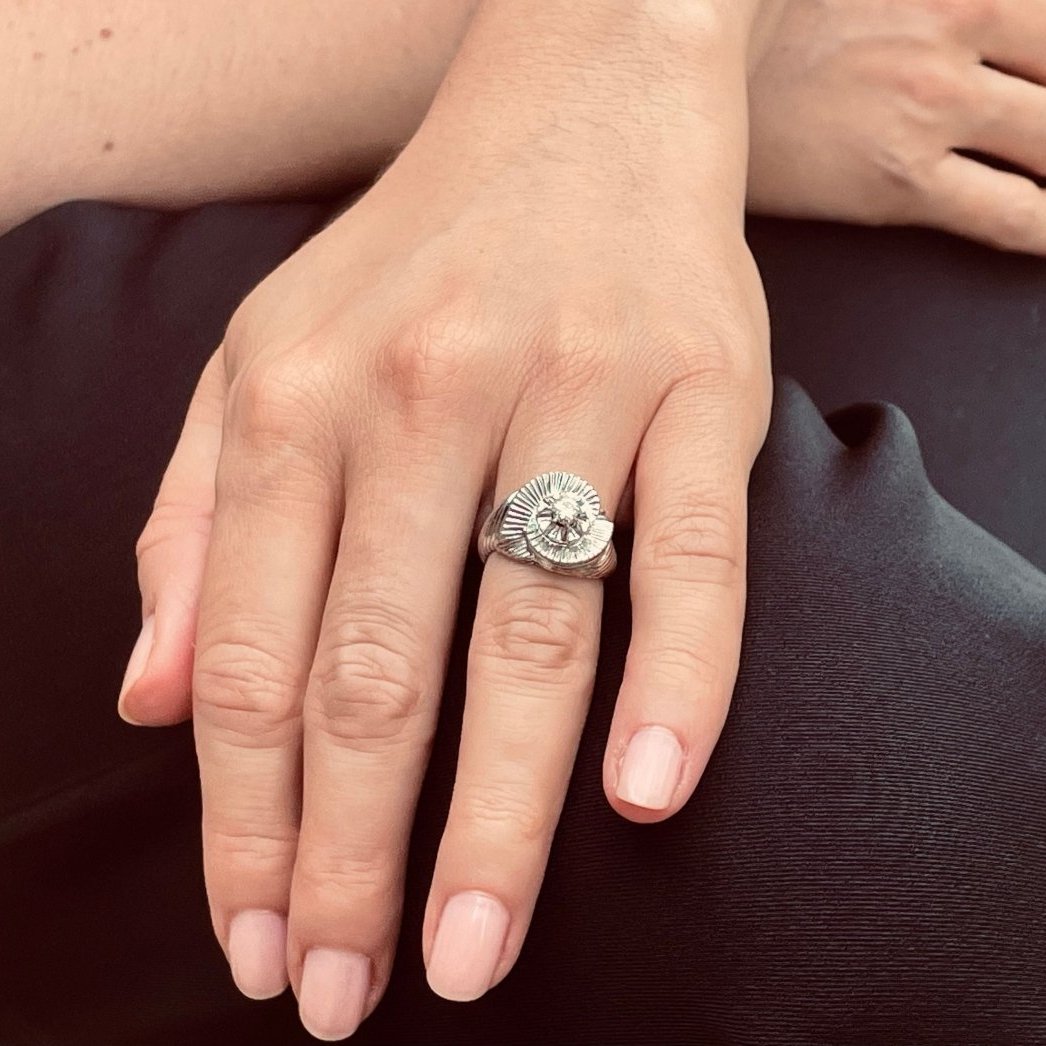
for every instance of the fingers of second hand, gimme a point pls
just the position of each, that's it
(1007, 119)
(266, 575)
(999, 208)
(370, 712)
(1009, 33)
(688, 591)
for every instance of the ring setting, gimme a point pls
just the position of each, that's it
(555, 521)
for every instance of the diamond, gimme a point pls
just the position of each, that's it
(564, 518)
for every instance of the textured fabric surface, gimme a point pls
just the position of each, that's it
(865, 859)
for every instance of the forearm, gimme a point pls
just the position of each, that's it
(175, 104)
(171, 104)
(661, 84)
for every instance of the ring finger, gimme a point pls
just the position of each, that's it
(530, 672)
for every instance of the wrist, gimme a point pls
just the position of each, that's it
(717, 22)
(689, 29)
(606, 58)
(653, 89)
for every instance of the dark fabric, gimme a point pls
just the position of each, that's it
(951, 332)
(865, 859)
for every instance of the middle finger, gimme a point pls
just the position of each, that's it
(370, 710)
(530, 673)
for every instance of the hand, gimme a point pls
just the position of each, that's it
(535, 283)
(859, 106)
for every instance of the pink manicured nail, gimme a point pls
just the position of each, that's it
(650, 769)
(258, 953)
(469, 940)
(334, 986)
(137, 661)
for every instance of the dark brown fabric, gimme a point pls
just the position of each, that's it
(864, 861)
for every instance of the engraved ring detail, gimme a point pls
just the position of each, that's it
(556, 522)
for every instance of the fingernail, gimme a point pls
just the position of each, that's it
(137, 661)
(258, 953)
(334, 987)
(650, 769)
(469, 941)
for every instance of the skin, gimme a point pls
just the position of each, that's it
(115, 99)
(500, 303)
(857, 106)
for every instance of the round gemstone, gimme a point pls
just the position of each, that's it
(565, 518)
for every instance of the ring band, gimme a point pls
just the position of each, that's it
(556, 522)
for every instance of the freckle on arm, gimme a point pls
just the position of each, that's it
(108, 147)
(105, 33)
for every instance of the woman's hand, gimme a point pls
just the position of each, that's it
(552, 275)
(859, 106)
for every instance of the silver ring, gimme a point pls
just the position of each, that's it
(556, 522)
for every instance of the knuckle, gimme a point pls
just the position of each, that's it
(501, 812)
(684, 659)
(966, 14)
(371, 690)
(276, 401)
(536, 632)
(269, 850)
(718, 362)
(332, 874)
(430, 364)
(244, 688)
(931, 86)
(730, 401)
(696, 538)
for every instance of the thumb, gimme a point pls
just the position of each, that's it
(157, 686)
